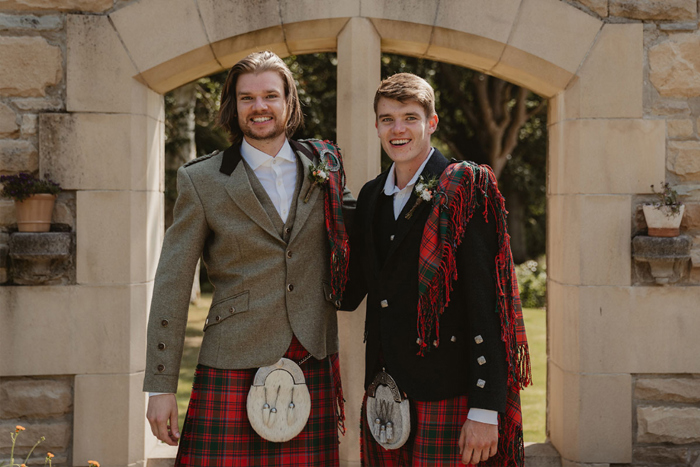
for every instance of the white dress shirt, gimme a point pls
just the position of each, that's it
(278, 175)
(400, 200)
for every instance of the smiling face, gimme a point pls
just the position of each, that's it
(261, 107)
(404, 131)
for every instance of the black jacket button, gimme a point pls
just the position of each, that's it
(161, 367)
(161, 346)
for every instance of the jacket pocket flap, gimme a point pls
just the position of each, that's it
(224, 309)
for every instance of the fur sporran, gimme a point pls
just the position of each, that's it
(388, 412)
(279, 403)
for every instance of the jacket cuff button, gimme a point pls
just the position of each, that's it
(232, 309)
(161, 346)
(164, 323)
(161, 368)
(218, 318)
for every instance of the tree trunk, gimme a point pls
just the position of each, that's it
(182, 150)
(516, 226)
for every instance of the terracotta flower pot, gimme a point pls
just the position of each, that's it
(662, 221)
(34, 213)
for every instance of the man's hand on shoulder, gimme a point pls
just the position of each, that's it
(477, 441)
(162, 415)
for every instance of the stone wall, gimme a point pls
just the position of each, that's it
(667, 420)
(44, 406)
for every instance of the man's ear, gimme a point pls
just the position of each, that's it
(432, 124)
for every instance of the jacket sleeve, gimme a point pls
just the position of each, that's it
(487, 365)
(182, 248)
(356, 287)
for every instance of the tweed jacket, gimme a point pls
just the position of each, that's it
(267, 286)
(384, 266)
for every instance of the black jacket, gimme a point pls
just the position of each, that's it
(384, 266)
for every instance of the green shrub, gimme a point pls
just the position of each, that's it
(532, 280)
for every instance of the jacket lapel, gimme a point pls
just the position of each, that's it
(370, 230)
(304, 209)
(241, 192)
(434, 168)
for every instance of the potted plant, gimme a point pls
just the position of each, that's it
(34, 199)
(664, 216)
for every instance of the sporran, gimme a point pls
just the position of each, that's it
(388, 412)
(278, 402)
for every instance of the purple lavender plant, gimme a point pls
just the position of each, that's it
(23, 185)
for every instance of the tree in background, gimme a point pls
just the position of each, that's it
(482, 118)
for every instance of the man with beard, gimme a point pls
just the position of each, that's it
(266, 216)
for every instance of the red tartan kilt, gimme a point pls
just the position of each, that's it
(217, 433)
(434, 440)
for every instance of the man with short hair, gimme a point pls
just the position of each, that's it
(272, 238)
(443, 329)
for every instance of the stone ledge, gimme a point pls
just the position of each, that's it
(40, 258)
(668, 257)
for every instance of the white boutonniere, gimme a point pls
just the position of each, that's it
(318, 174)
(424, 191)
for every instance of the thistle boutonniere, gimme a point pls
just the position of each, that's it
(318, 174)
(424, 191)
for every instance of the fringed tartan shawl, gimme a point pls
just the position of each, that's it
(463, 188)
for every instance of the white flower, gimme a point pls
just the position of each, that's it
(322, 174)
(419, 187)
(426, 195)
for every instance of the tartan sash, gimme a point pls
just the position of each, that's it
(335, 224)
(462, 189)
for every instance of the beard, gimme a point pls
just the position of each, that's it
(262, 135)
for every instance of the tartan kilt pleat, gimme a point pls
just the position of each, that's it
(217, 432)
(434, 440)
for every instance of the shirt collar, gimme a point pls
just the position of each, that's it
(255, 157)
(390, 187)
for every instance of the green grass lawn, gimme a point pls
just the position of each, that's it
(533, 398)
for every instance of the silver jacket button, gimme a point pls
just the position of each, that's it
(481, 383)
(478, 339)
(453, 338)
(481, 360)
(384, 304)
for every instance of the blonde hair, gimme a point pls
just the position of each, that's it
(258, 62)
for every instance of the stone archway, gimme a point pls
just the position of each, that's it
(602, 152)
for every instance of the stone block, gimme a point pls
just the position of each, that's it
(41, 258)
(57, 435)
(587, 415)
(35, 398)
(555, 32)
(600, 7)
(8, 122)
(680, 129)
(7, 212)
(117, 234)
(313, 36)
(29, 125)
(677, 425)
(406, 38)
(637, 329)
(100, 74)
(30, 65)
(293, 11)
(664, 455)
(73, 329)
(38, 104)
(90, 151)
(93, 6)
(231, 50)
(684, 159)
(686, 390)
(610, 81)
(30, 22)
(411, 11)
(160, 30)
(541, 455)
(461, 49)
(674, 65)
(530, 71)
(17, 156)
(664, 10)
(120, 442)
(589, 239)
(668, 257)
(493, 20)
(223, 20)
(591, 156)
(670, 107)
